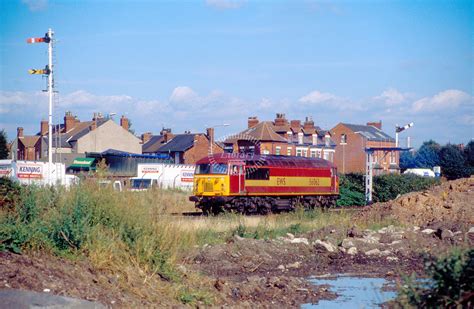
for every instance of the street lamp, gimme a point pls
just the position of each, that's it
(211, 136)
(401, 129)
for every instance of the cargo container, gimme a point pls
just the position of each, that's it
(168, 176)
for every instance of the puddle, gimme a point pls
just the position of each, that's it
(353, 292)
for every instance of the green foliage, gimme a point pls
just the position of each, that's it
(3, 145)
(469, 155)
(407, 160)
(9, 193)
(385, 187)
(450, 284)
(428, 155)
(452, 162)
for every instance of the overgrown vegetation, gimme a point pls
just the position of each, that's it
(385, 187)
(450, 283)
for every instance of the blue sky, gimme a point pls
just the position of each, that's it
(191, 64)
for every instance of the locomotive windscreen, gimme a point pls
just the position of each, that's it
(211, 169)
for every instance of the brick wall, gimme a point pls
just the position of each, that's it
(200, 150)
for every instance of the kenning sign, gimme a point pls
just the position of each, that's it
(29, 171)
(187, 175)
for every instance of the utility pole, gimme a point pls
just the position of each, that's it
(48, 38)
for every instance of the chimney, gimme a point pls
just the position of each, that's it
(210, 134)
(69, 121)
(146, 137)
(376, 124)
(124, 122)
(280, 120)
(44, 127)
(252, 121)
(19, 132)
(167, 135)
(93, 126)
(308, 124)
(295, 124)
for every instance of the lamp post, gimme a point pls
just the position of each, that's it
(211, 136)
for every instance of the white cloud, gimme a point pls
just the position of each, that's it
(392, 96)
(448, 99)
(36, 5)
(317, 97)
(183, 94)
(225, 4)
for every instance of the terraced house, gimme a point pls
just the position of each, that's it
(74, 138)
(283, 137)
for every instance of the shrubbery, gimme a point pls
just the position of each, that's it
(385, 187)
(450, 283)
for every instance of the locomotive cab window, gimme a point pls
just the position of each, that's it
(257, 173)
(211, 169)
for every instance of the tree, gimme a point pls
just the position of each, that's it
(428, 155)
(469, 154)
(407, 160)
(452, 162)
(3, 145)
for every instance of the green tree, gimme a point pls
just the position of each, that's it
(452, 162)
(407, 160)
(3, 145)
(469, 156)
(428, 155)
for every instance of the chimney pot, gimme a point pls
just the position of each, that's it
(44, 127)
(69, 121)
(210, 134)
(19, 132)
(252, 121)
(280, 120)
(124, 123)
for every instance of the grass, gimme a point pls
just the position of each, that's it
(133, 236)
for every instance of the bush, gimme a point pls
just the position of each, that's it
(450, 283)
(453, 163)
(385, 187)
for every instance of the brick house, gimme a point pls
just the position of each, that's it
(184, 148)
(352, 139)
(283, 137)
(74, 138)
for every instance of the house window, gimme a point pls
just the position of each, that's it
(392, 157)
(326, 155)
(288, 151)
(299, 152)
(305, 152)
(343, 139)
(313, 153)
(318, 153)
(278, 150)
(265, 152)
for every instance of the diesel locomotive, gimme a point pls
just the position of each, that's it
(261, 184)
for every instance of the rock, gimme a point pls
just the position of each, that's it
(347, 243)
(354, 232)
(238, 238)
(342, 249)
(29, 299)
(373, 252)
(392, 258)
(281, 267)
(395, 242)
(300, 241)
(294, 265)
(352, 251)
(290, 236)
(470, 235)
(385, 253)
(428, 231)
(446, 234)
(416, 228)
(370, 239)
(325, 245)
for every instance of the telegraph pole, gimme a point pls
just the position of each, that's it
(48, 38)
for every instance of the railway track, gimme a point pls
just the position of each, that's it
(337, 209)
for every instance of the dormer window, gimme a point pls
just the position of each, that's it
(300, 138)
(327, 140)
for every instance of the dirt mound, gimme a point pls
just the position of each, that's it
(450, 204)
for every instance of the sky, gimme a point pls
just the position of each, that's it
(188, 65)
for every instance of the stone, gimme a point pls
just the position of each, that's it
(290, 236)
(416, 228)
(238, 238)
(281, 267)
(447, 234)
(325, 245)
(392, 258)
(294, 265)
(352, 251)
(395, 242)
(354, 232)
(301, 240)
(428, 231)
(385, 253)
(347, 243)
(373, 252)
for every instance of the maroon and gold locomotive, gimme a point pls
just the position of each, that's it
(262, 184)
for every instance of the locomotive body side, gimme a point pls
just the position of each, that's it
(263, 184)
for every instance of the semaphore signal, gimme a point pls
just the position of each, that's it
(48, 70)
